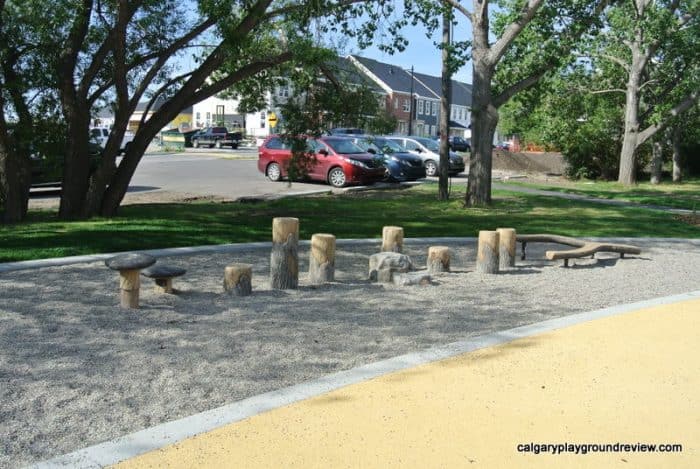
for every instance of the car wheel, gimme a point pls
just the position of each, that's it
(430, 168)
(217, 144)
(273, 172)
(336, 177)
(195, 143)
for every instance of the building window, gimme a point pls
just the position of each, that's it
(402, 127)
(453, 113)
(199, 116)
(420, 106)
(435, 106)
(396, 103)
(283, 91)
(406, 105)
(262, 119)
(461, 115)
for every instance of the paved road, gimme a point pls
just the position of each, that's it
(225, 174)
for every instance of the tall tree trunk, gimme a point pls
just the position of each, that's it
(677, 158)
(484, 114)
(15, 180)
(483, 122)
(628, 154)
(445, 101)
(656, 162)
(76, 169)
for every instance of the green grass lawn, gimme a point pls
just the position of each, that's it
(684, 195)
(352, 215)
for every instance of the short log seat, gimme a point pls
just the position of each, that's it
(583, 248)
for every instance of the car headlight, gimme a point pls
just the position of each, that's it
(356, 163)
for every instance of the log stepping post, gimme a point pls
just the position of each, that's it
(322, 258)
(438, 259)
(163, 276)
(129, 267)
(238, 279)
(284, 260)
(487, 253)
(392, 239)
(506, 248)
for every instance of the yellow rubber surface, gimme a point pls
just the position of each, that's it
(631, 378)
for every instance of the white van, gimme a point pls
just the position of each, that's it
(101, 134)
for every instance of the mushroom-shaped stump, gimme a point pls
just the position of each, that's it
(163, 276)
(129, 266)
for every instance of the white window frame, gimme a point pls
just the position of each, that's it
(420, 106)
(435, 106)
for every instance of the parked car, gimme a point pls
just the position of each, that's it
(218, 137)
(429, 151)
(335, 160)
(399, 163)
(347, 131)
(459, 143)
(100, 135)
(47, 168)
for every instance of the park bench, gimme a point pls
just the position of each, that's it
(582, 248)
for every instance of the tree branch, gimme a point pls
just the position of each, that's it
(512, 30)
(521, 85)
(690, 100)
(459, 7)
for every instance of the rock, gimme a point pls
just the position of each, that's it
(414, 278)
(383, 265)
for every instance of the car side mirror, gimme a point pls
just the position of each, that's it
(323, 152)
(372, 151)
(418, 150)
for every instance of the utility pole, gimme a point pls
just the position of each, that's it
(445, 101)
(410, 107)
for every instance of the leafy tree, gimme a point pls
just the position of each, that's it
(657, 45)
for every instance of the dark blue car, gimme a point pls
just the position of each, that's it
(400, 164)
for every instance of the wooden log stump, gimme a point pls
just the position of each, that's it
(506, 247)
(392, 239)
(487, 254)
(438, 259)
(284, 259)
(129, 266)
(238, 279)
(322, 258)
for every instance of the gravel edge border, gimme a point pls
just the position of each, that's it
(134, 444)
(237, 247)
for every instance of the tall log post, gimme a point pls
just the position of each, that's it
(392, 239)
(129, 286)
(438, 259)
(506, 247)
(487, 254)
(322, 258)
(238, 279)
(284, 259)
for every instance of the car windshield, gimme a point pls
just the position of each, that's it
(389, 146)
(343, 146)
(367, 145)
(431, 145)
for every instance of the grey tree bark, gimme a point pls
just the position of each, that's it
(445, 101)
(677, 158)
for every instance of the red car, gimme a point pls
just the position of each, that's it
(337, 160)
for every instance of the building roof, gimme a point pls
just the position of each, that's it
(342, 70)
(395, 77)
(461, 92)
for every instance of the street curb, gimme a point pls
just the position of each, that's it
(156, 437)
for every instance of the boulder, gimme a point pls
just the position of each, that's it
(383, 265)
(412, 278)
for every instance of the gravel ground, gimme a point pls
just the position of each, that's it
(76, 370)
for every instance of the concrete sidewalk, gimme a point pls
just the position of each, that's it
(626, 378)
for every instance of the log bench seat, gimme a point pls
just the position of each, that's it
(583, 248)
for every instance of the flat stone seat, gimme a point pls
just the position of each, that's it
(129, 266)
(130, 261)
(163, 276)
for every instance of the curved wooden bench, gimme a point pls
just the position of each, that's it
(583, 248)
